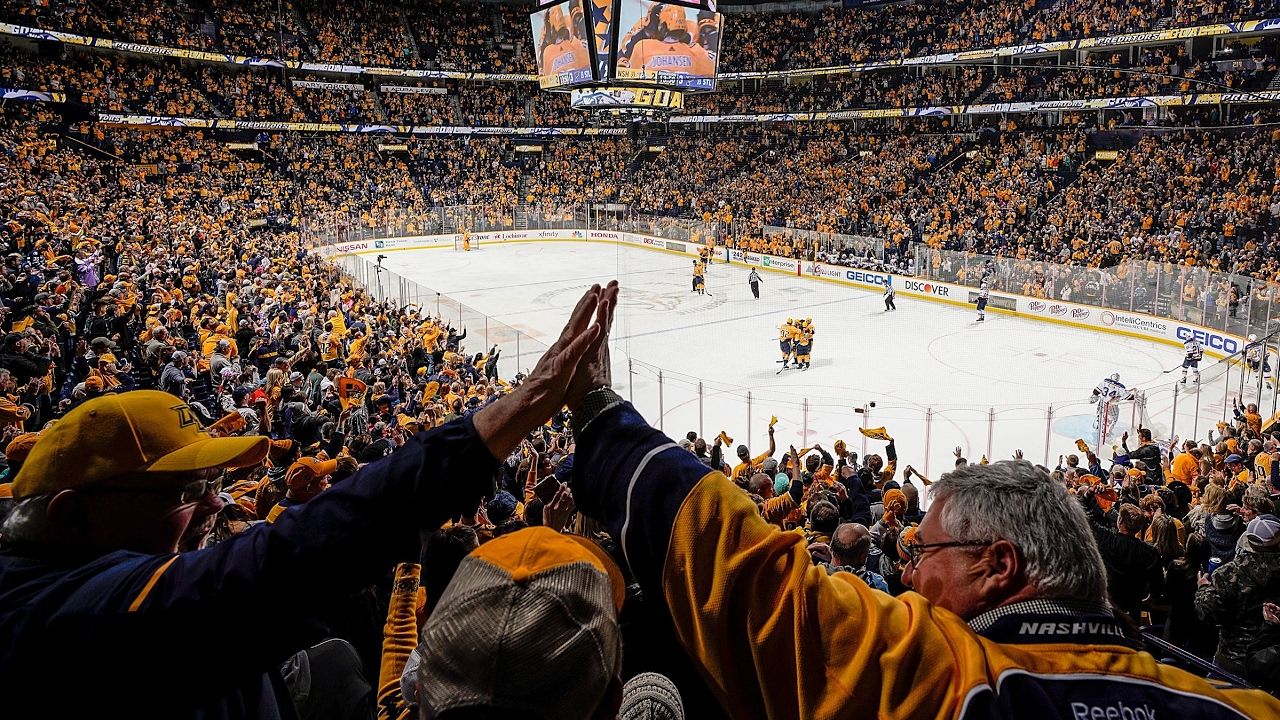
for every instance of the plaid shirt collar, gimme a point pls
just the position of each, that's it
(1049, 621)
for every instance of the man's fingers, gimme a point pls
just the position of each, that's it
(575, 351)
(571, 354)
(558, 497)
(581, 315)
(604, 321)
(608, 304)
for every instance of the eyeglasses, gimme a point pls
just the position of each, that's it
(917, 550)
(189, 494)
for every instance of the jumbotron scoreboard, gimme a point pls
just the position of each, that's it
(628, 55)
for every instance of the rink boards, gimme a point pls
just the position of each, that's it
(1215, 342)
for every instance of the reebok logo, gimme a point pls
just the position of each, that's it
(1118, 711)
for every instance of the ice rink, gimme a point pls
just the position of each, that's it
(938, 379)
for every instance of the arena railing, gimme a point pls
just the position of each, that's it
(831, 242)
(925, 436)
(1106, 40)
(1238, 306)
(519, 349)
(395, 222)
(927, 433)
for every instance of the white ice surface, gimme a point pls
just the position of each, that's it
(926, 356)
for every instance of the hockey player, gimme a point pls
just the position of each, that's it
(754, 280)
(704, 253)
(1193, 353)
(1255, 355)
(664, 41)
(1107, 395)
(889, 295)
(983, 294)
(804, 345)
(786, 339)
(699, 277)
(561, 49)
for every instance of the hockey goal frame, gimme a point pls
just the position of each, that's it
(1131, 414)
(458, 243)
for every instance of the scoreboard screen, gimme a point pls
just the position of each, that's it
(667, 44)
(561, 45)
(619, 54)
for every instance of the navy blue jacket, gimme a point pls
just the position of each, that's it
(183, 635)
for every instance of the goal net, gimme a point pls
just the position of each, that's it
(463, 242)
(1117, 416)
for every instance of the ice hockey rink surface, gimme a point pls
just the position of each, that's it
(939, 380)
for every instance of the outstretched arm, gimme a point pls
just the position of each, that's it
(774, 635)
(342, 540)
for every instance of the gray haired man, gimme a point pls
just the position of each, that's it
(1009, 617)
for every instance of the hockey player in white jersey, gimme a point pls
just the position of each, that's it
(1107, 395)
(983, 294)
(1255, 356)
(1192, 356)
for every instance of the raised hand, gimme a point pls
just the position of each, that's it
(557, 512)
(594, 370)
(503, 423)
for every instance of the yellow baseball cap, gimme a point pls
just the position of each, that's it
(20, 447)
(139, 431)
(307, 469)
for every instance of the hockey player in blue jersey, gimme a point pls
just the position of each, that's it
(983, 294)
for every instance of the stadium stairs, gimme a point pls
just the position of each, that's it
(94, 149)
(308, 41)
(383, 115)
(646, 153)
(982, 94)
(408, 32)
(521, 220)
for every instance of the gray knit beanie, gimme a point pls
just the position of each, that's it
(650, 696)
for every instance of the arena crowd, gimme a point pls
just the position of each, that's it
(207, 424)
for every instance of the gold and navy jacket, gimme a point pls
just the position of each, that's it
(777, 637)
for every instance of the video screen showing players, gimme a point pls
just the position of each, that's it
(560, 41)
(668, 44)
